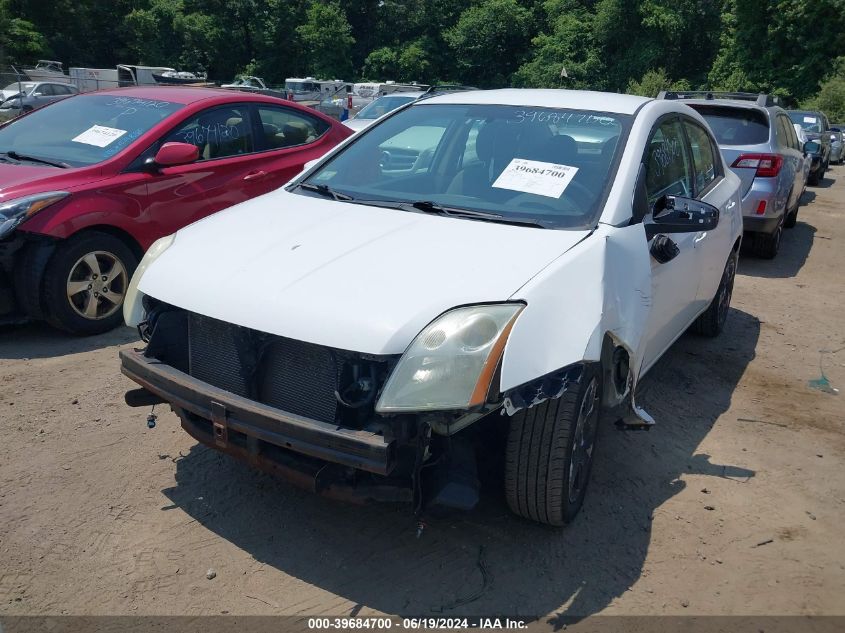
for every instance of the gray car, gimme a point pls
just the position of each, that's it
(758, 141)
(837, 144)
(24, 96)
(817, 128)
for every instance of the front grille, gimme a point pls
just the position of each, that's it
(290, 375)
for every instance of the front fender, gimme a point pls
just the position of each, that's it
(600, 287)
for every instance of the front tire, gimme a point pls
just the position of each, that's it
(85, 283)
(549, 453)
(711, 322)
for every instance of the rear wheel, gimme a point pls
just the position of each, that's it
(712, 321)
(550, 451)
(85, 283)
(792, 215)
(767, 245)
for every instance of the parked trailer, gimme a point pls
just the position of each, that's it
(90, 79)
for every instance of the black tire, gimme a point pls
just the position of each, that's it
(66, 312)
(541, 482)
(711, 322)
(814, 178)
(792, 215)
(767, 245)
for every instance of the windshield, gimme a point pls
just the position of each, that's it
(736, 126)
(84, 130)
(545, 166)
(383, 105)
(810, 121)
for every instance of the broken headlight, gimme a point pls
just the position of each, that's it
(133, 308)
(451, 363)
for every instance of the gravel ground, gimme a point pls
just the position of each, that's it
(733, 504)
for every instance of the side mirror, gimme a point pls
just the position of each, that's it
(673, 214)
(812, 147)
(37, 94)
(171, 154)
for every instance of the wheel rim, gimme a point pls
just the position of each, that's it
(584, 441)
(96, 285)
(726, 291)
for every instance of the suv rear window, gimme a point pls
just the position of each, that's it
(736, 126)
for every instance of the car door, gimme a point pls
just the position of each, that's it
(286, 139)
(221, 177)
(712, 247)
(42, 95)
(669, 171)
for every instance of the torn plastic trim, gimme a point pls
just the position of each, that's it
(548, 387)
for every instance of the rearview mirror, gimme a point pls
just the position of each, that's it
(674, 214)
(812, 147)
(171, 154)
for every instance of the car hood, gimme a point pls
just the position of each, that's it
(8, 94)
(26, 179)
(344, 275)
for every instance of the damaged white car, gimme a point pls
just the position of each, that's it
(479, 265)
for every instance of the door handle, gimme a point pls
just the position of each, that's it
(699, 237)
(255, 175)
(731, 204)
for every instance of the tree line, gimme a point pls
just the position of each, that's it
(793, 48)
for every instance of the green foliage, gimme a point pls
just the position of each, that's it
(653, 81)
(327, 37)
(638, 46)
(831, 97)
(489, 40)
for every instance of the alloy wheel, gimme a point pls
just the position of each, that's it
(96, 285)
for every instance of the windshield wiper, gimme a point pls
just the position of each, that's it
(325, 190)
(33, 159)
(427, 206)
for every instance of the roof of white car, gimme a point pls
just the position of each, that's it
(571, 99)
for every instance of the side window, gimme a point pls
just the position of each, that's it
(790, 131)
(703, 158)
(285, 127)
(668, 171)
(46, 90)
(217, 132)
(780, 133)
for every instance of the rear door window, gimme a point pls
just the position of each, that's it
(736, 126)
(285, 127)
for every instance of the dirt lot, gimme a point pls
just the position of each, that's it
(733, 504)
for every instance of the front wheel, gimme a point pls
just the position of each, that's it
(711, 322)
(550, 451)
(85, 283)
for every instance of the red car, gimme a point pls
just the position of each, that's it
(88, 183)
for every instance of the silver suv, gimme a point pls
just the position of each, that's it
(759, 143)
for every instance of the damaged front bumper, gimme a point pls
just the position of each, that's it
(317, 456)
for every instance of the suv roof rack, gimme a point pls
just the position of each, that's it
(761, 99)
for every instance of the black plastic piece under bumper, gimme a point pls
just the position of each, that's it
(760, 225)
(358, 449)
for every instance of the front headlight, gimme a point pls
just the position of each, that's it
(13, 212)
(450, 364)
(133, 309)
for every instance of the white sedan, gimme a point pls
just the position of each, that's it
(474, 266)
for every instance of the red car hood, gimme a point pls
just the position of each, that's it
(22, 180)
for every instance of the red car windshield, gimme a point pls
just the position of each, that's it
(84, 130)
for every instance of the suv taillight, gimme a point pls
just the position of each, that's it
(767, 165)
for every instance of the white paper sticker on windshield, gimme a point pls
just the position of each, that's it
(99, 135)
(809, 119)
(533, 176)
